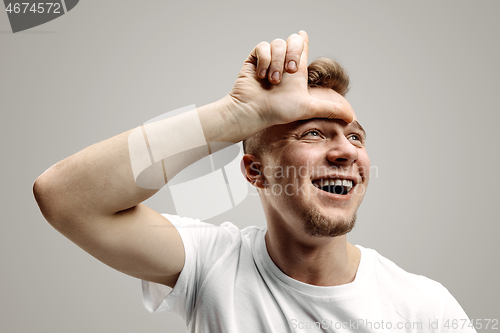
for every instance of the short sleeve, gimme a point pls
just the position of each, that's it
(204, 244)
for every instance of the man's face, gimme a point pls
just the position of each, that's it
(316, 172)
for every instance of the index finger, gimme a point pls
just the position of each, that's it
(294, 48)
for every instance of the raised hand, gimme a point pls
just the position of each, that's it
(271, 88)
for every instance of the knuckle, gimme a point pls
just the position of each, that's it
(278, 42)
(293, 54)
(263, 44)
(278, 63)
(264, 54)
(264, 62)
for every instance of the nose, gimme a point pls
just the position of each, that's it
(342, 151)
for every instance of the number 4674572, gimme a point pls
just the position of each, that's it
(35, 8)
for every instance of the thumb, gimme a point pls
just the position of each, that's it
(305, 51)
(319, 108)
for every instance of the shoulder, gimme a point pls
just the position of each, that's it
(227, 233)
(413, 295)
(402, 285)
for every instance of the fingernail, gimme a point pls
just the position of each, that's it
(262, 73)
(292, 65)
(275, 76)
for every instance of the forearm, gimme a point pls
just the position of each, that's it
(106, 177)
(119, 173)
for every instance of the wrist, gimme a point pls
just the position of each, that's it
(226, 120)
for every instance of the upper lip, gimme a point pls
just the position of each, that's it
(355, 180)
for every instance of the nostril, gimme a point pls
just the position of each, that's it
(341, 159)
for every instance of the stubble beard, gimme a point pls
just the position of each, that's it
(319, 225)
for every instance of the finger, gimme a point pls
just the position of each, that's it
(294, 48)
(327, 109)
(263, 54)
(305, 50)
(278, 50)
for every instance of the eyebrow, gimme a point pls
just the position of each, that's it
(357, 125)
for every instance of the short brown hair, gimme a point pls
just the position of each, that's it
(324, 73)
(328, 73)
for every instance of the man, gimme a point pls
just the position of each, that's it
(305, 155)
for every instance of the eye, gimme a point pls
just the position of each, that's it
(355, 137)
(313, 133)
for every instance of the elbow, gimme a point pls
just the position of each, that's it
(44, 199)
(40, 192)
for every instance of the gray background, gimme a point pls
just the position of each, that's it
(424, 85)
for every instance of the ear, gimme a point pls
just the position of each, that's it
(251, 168)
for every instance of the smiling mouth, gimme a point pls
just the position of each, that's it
(334, 186)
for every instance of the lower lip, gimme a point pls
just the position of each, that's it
(344, 197)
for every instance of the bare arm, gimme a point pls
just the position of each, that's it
(93, 198)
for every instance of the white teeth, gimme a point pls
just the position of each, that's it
(333, 182)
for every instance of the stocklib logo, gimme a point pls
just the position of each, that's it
(28, 14)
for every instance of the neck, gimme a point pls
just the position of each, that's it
(321, 261)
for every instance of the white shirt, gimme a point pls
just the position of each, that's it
(230, 284)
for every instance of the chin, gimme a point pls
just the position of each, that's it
(318, 224)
